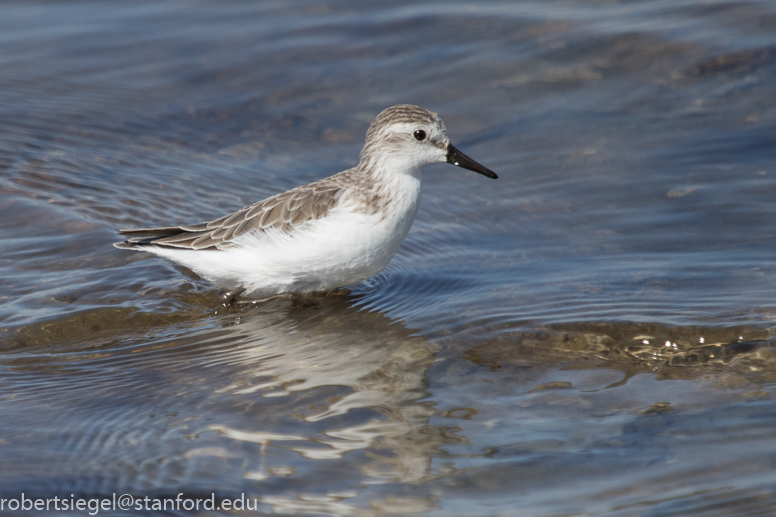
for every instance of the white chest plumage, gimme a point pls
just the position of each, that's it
(350, 244)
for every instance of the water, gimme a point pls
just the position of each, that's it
(591, 334)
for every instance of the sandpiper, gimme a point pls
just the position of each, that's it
(331, 233)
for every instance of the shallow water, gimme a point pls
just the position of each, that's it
(591, 334)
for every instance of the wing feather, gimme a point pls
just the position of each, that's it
(284, 212)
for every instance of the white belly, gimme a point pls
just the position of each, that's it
(343, 248)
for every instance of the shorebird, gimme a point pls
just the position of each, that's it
(318, 237)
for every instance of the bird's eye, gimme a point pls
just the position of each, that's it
(419, 135)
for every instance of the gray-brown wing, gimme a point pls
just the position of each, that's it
(283, 212)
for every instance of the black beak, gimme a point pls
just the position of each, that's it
(456, 157)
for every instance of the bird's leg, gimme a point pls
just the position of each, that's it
(227, 298)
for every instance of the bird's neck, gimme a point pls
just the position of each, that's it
(380, 164)
(387, 190)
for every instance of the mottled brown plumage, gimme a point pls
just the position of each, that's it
(282, 212)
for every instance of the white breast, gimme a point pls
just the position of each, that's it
(345, 247)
